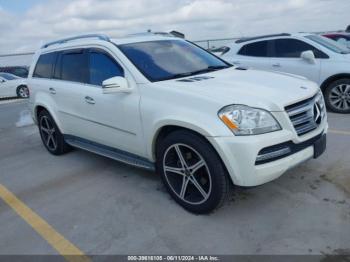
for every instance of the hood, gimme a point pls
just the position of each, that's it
(268, 90)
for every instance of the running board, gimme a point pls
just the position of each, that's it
(110, 152)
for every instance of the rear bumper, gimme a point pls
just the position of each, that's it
(240, 155)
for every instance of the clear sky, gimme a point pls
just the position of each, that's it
(25, 24)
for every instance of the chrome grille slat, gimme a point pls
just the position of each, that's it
(301, 115)
(302, 119)
(299, 111)
(304, 129)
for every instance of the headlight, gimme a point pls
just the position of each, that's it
(245, 120)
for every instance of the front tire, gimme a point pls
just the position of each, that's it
(192, 172)
(50, 134)
(337, 96)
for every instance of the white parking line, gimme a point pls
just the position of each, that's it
(44, 229)
(339, 132)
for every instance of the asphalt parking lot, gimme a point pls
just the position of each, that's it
(105, 207)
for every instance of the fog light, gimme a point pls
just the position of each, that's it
(273, 154)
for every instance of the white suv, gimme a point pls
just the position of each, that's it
(315, 57)
(162, 103)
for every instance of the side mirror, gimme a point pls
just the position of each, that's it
(115, 84)
(308, 56)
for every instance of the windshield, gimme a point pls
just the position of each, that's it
(8, 76)
(329, 44)
(170, 59)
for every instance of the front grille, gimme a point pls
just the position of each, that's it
(307, 115)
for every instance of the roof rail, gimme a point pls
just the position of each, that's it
(65, 40)
(246, 39)
(169, 34)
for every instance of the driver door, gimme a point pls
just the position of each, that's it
(287, 58)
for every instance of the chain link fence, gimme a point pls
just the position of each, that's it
(214, 43)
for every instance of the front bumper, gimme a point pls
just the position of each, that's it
(240, 154)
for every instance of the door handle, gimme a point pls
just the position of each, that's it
(52, 90)
(89, 100)
(276, 65)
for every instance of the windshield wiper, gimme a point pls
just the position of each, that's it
(204, 70)
(219, 67)
(201, 71)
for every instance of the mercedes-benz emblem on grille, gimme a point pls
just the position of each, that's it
(317, 113)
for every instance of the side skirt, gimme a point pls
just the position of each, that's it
(110, 152)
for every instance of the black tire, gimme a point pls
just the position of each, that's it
(211, 177)
(22, 91)
(48, 128)
(338, 90)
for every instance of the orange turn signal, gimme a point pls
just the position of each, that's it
(228, 122)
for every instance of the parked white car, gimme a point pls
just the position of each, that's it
(164, 104)
(315, 57)
(11, 86)
(340, 38)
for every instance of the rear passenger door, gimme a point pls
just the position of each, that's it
(255, 55)
(67, 87)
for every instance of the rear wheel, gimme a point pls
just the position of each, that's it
(50, 135)
(337, 96)
(192, 172)
(23, 91)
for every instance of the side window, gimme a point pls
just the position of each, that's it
(21, 72)
(258, 49)
(102, 67)
(44, 65)
(292, 48)
(74, 66)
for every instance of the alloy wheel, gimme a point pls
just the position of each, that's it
(48, 133)
(339, 97)
(23, 92)
(187, 174)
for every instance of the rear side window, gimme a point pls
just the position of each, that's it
(21, 72)
(44, 65)
(257, 49)
(292, 48)
(102, 67)
(74, 66)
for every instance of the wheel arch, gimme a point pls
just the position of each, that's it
(24, 85)
(333, 78)
(19, 86)
(40, 107)
(165, 130)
